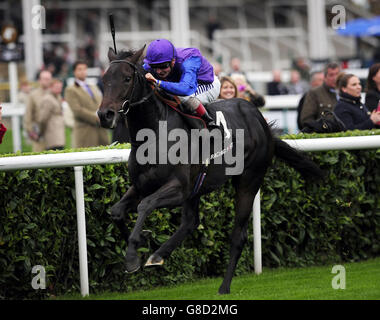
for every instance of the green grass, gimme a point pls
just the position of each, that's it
(7, 145)
(313, 283)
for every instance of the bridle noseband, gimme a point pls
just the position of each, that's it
(127, 104)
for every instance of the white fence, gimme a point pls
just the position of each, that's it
(108, 156)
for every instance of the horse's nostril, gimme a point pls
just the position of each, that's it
(110, 114)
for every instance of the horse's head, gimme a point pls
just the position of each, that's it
(119, 82)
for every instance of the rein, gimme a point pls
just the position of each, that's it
(127, 104)
(171, 103)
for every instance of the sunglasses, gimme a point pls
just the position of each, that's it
(160, 65)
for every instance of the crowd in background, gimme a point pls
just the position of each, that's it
(54, 105)
(330, 98)
(50, 108)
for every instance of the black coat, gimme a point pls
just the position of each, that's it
(353, 113)
(372, 98)
(276, 88)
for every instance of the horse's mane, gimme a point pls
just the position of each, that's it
(122, 55)
(125, 54)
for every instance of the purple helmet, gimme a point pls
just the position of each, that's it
(160, 51)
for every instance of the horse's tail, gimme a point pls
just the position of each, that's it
(297, 160)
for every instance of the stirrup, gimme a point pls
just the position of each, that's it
(212, 125)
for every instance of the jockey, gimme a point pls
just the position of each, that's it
(183, 72)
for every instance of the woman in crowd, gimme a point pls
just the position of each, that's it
(50, 117)
(228, 88)
(372, 97)
(246, 92)
(349, 108)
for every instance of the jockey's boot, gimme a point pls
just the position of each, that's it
(194, 106)
(202, 112)
(209, 121)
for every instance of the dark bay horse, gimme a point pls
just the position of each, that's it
(157, 185)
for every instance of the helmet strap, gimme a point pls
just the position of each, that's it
(172, 64)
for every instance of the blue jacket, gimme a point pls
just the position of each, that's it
(190, 69)
(353, 113)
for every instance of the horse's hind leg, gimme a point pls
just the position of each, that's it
(243, 206)
(189, 222)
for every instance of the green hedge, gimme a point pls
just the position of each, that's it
(334, 221)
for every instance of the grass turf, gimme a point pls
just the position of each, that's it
(312, 283)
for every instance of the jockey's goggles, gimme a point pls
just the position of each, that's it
(163, 65)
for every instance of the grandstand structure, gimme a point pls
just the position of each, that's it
(265, 35)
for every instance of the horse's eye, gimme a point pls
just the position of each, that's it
(127, 79)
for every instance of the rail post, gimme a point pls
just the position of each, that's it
(257, 234)
(81, 221)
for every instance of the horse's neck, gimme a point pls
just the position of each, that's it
(146, 116)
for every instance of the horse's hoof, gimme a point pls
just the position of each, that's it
(154, 260)
(128, 270)
(146, 233)
(132, 265)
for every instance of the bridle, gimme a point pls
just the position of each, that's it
(127, 104)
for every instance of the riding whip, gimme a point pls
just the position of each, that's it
(112, 26)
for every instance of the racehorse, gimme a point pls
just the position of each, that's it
(127, 92)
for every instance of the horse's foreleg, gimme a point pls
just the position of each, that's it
(170, 194)
(128, 203)
(189, 222)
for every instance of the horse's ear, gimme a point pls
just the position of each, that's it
(111, 54)
(138, 55)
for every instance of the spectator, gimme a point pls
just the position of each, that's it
(3, 129)
(218, 70)
(50, 118)
(228, 88)
(303, 68)
(246, 92)
(376, 53)
(235, 65)
(89, 50)
(349, 108)
(34, 101)
(24, 92)
(276, 87)
(296, 85)
(321, 98)
(211, 26)
(84, 101)
(372, 97)
(316, 80)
